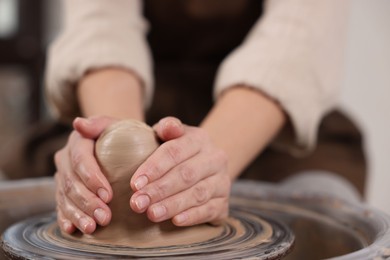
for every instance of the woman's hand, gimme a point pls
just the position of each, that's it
(82, 191)
(184, 179)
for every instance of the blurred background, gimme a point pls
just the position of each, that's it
(27, 27)
(366, 90)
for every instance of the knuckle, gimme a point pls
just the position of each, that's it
(59, 199)
(84, 204)
(77, 160)
(150, 169)
(173, 151)
(67, 185)
(159, 191)
(154, 172)
(87, 178)
(187, 175)
(200, 194)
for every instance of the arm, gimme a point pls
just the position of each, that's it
(82, 189)
(294, 55)
(97, 35)
(291, 61)
(99, 65)
(111, 91)
(235, 126)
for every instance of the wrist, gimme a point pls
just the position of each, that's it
(242, 123)
(111, 92)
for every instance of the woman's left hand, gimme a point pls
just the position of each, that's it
(184, 179)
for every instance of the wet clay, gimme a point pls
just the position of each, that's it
(120, 151)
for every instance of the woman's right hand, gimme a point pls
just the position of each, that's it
(82, 190)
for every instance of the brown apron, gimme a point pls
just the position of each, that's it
(189, 39)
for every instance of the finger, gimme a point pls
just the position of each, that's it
(178, 179)
(197, 195)
(78, 218)
(214, 211)
(84, 164)
(64, 224)
(92, 127)
(162, 160)
(169, 128)
(89, 203)
(69, 185)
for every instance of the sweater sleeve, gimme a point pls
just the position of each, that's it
(96, 34)
(293, 54)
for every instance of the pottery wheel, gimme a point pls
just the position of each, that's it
(244, 235)
(120, 150)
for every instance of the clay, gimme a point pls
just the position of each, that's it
(120, 151)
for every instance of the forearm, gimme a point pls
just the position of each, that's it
(111, 92)
(242, 123)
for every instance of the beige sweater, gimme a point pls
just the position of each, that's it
(293, 54)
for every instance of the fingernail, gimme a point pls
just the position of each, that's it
(173, 122)
(87, 121)
(84, 223)
(100, 215)
(82, 120)
(140, 182)
(103, 194)
(159, 211)
(142, 202)
(181, 218)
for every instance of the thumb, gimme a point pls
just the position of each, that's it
(169, 128)
(92, 127)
